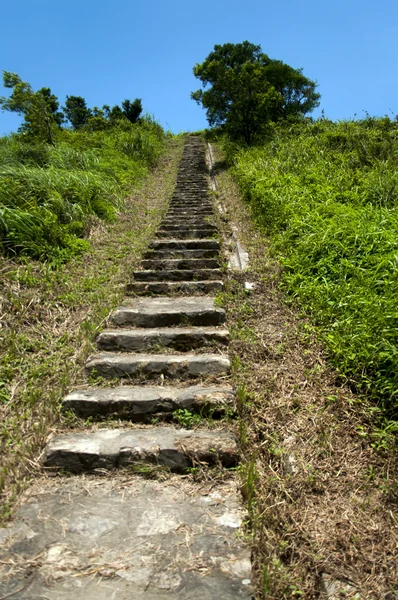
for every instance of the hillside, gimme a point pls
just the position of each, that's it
(52, 196)
(327, 195)
(306, 372)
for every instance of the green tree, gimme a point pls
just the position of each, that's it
(39, 109)
(53, 105)
(76, 111)
(243, 89)
(132, 110)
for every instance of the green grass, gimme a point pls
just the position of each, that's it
(327, 195)
(50, 197)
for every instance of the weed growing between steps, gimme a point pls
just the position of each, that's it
(50, 316)
(318, 478)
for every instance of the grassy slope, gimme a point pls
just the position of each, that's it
(50, 197)
(328, 195)
(321, 495)
(50, 314)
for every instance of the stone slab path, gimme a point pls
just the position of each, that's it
(102, 529)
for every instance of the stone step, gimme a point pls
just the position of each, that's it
(194, 197)
(180, 263)
(166, 312)
(173, 253)
(179, 275)
(193, 222)
(186, 234)
(139, 404)
(184, 225)
(178, 338)
(183, 207)
(173, 287)
(182, 366)
(190, 204)
(177, 224)
(192, 194)
(188, 244)
(184, 211)
(198, 203)
(127, 538)
(175, 449)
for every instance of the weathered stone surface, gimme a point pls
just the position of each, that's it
(192, 220)
(188, 244)
(195, 212)
(184, 224)
(173, 253)
(163, 312)
(174, 287)
(335, 589)
(181, 263)
(138, 539)
(170, 365)
(178, 275)
(192, 203)
(178, 338)
(186, 233)
(142, 403)
(176, 449)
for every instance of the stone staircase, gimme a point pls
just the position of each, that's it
(166, 344)
(189, 331)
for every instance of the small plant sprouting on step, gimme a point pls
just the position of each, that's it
(186, 418)
(158, 472)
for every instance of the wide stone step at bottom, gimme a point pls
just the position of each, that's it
(174, 449)
(182, 339)
(188, 244)
(179, 275)
(164, 312)
(144, 288)
(173, 366)
(132, 538)
(140, 404)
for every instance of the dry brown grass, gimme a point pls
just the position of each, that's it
(322, 498)
(48, 319)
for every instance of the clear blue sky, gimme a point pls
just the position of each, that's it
(109, 51)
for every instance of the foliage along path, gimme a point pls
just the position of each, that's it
(164, 519)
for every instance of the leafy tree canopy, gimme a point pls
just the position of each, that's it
(79, 115)
(243, 89)
(132, 110)
(39, 109)
(76, 111)
(42, 117)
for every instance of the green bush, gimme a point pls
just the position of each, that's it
(328, 196)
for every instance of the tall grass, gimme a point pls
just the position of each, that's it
(327, 193)
(51, 196)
